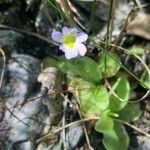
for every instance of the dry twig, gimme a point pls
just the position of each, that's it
(3, 69)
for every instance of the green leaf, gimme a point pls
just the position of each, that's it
(130, 112)
(114, 134)
(49, 62)
(145, 79)
(105, 124)
(136, 50)
(83, 67)
(64, 66)
(92, 99)
(122, 90)
(109, 64)
(119, 138)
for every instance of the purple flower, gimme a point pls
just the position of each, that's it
(71, 42)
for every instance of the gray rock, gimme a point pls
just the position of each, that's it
(74, 136)
(9, 40)
(25, 145)
(24, 119)
(20, 76)
(143, 143)
(13, 40)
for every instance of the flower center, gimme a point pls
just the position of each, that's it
(69, 40)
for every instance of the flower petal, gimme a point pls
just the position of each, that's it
(71, 53)
(57, 36)
(81, 49)
(82, 37)
(74, 31)
(62, 47)
(65, 30)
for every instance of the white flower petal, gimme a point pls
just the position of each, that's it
(57, 36)
(81, 49)
(65, 30)
(82, 37)
(74, 31)
(62, 47)
(71, 53)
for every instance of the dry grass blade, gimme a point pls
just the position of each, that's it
(139, 5)
(3, 70)
(112, 19)
(136, 129)
(66, 126)
(118, 39)
(43, 38)
(88, 119)
(85, 130)
(112, 91)
(143, 97)
(64, 5)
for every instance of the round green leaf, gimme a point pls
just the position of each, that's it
(114, 134)
(49, 62)
(92, 99)
(84, 67)
(130, 112)
(105, 124)
(109, 64)
(122, 90)
(118, 139)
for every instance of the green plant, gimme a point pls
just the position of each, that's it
(101, 87)
(95, 100)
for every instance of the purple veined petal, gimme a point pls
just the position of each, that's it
(57, 36)
(81, 49)
(65, 30)
(71, 53)
(82, 37)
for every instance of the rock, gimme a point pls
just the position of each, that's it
(12, 41)
(101, 8)
(24, 12)
(22, 117)
(51, 79)
(25, 111)
(122, 9)
(143, 123)
(8, 14)
(20, 76)
(25, 145)
(42, 21)
(74, 136)
(4, 132)
(144, 143)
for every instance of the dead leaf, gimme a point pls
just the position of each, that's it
(140, 27)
